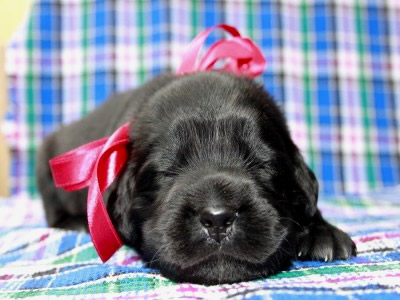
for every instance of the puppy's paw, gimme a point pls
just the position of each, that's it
(325, 242)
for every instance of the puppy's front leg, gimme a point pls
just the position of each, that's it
(320, 240)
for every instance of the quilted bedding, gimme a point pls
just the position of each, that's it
(36, 261)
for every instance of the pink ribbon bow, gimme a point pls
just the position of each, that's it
(243, 56)
(97, 164)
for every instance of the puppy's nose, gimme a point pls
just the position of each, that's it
(217, 221)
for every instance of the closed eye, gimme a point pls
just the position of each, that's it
(169, 173)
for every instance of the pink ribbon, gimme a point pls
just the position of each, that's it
(97, 164)
(242, 55)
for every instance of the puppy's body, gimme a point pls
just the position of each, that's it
(214, 189)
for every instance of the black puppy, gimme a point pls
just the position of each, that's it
(214, 191)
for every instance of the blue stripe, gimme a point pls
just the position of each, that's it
(48, 93)
(158, 35)
(307, 296)
(101, 40)
(4, 259)
(366, 218)
(358, 260)
(210, 16)
(388, 168)
(275, 86)
(270, 44)
(102, 86)
(36, 283)
(46, 27)
(328, 173)
(68, 242)
(85, 239)
(377, 27)
(92, 273)
(322, 27)
(375, 230)
(269, 24)
(324, 93)
(48, 90)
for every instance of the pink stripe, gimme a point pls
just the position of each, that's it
(187, 288)
(147, 296)
(6, 277)
(377, 237)
(353, 278)
(43, 237)
(130, 260)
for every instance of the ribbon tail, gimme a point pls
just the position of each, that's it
(111, 161)
(104, 236)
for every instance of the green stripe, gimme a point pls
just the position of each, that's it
(133, 284)
(347, 201)
(30, 97)
(250, 20)
(85, 46)
(83, 255)
(364, 96)
(194, 18)
(141, 41)
(337, 270)
(307, 83)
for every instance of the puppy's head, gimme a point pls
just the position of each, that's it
(214, 186)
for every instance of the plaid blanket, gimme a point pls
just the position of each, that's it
(332, 65)
(36, 261)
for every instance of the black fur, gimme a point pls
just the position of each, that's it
(197, 141)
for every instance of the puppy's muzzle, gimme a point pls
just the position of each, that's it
(217, 221)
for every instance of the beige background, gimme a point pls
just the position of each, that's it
(12, 14)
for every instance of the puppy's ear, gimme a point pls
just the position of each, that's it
(308, 185)
(131, 201)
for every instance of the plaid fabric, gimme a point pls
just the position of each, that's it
(334, 66)
(40, 262)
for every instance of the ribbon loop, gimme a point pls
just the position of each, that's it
(96, 165)
(73, 170)
(242, 55)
